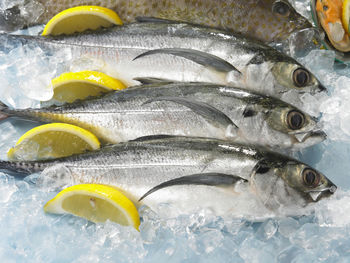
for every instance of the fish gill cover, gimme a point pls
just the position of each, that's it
(28, 235)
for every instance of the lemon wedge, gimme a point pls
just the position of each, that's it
(53, 140)
(346, 15)
(71, 86)
(81, 18)
(96, 203)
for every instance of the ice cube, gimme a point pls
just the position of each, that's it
(303, 41)
(32, 10)
(287, 226)
(319, 60)
(267, 229)
(7, 187)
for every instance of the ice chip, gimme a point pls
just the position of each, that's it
(287, 226)
(7, 188)
(267, 229)
(32, 11)
(303, 41)
(318, 60)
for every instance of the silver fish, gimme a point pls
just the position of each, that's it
(191, 109)
(191, 172)
(267, 20)
(184, 52)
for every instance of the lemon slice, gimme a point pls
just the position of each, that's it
(71, 86)
(346, 15)
(81, 18)
(96, 203)
(53, 140)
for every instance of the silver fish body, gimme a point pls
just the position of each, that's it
(268, 20)
(185, 52)
(188, 109)
(191, 172)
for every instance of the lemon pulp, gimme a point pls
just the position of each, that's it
(96, 203)
(81, 18)
(71, 86)
(53, 140)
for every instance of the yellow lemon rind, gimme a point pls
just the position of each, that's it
(105, 192)
(105, 13)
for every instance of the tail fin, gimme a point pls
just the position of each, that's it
(3, 108)
(22, 168)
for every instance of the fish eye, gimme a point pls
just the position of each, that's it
(311, 178)
(281, 8)
(295, 120)
(301, 77)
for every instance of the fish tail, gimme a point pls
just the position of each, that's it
(3, 114)
(21, 167)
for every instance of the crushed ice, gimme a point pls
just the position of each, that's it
(28, 235)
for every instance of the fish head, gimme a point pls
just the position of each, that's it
(290, 75)
(287, 124)
(286, 183)
(287, 19)
(312, 184)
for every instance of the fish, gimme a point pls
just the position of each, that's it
(189, 172)
(191, 109)
(266, 20)
(156, 48)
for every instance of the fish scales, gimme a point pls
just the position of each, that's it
(268, 20)
(135, 167)
(253, 65)
(192, 109)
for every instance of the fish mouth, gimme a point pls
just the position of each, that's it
(325, 193)
(310, 138)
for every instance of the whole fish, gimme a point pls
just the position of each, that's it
(267, 20)
(191, 172)
(183, 52)
(191, 109)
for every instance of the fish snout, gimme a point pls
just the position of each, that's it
(327, 192)
(310, 138)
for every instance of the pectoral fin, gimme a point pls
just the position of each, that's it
(208, 112)
(211, 179)
(202, 58)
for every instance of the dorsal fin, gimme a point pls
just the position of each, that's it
(150, 80)
(153, 137)
(151, 19)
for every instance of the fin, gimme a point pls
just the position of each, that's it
(3, 115)
(261, 167)
(153, 137)
(146, 81)
(202, 58)
(208, 112)
(211, 179)
(151, 19)
(249, 112)
(20, 168)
